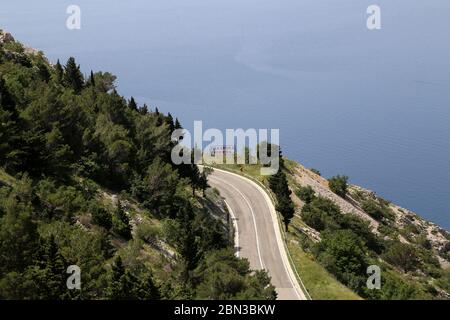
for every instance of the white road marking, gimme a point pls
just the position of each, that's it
(236, 228)
(283, 251)
(254, 219)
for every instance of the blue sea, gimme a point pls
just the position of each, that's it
(371, 104)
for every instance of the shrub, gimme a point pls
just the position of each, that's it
(376, 210)
(148, 233)
(321, 214)
(343, 254)
(339, 185)
(306, 194)
(395, 287)
(372, 208)
(402, 255)
(101, 217)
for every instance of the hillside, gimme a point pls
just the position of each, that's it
(333, 238)
(86, 180)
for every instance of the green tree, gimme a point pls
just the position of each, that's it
(19, 237)
(285, 206)
(59, 72)
(159, 189)
(49, 274)
(203, 179)
(177, 124)
(10, 139)
(91, 80)
(123, 285)
(43, 71)
(132, 104)
(279, 185)
(120, 286)
(59, 154)
(73, 78)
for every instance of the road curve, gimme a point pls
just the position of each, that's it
(258, 237)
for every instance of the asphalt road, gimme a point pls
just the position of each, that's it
(258, 236)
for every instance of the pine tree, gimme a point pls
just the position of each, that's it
(195, 178)
(279, 185)
(178, 124)
(204, 178)
(132, 104)
(58, 155)
(44, 73)
(159, 117)
(144, 110)
(186, 243)
(169, 121)
(18, 237)
(73, 78)
(147, 290)
(52, 275)
(285, 207)
(59, 72)
(122, 285)
(6, 100)
(9, 128)
(117, 283)
(91, 80)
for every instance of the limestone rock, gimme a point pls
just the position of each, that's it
(6, 37)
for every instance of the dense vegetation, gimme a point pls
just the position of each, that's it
(348, 246)
(66, 145)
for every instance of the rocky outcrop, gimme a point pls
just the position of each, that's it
(6, 37)
(305, 177)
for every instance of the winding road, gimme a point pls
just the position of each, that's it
(258, 237)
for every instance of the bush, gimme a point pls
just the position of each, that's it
(395, 287)
(402, 255)
(306, 194)
(376, 210)
(121, 223)
(222, 276)
(372, 208)
(343, 254)
(339, 185)
(101, 217)
(444, 281)
(322, 214)
(362, 228)
(148, 233)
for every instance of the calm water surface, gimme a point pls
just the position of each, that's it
(374, 105)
